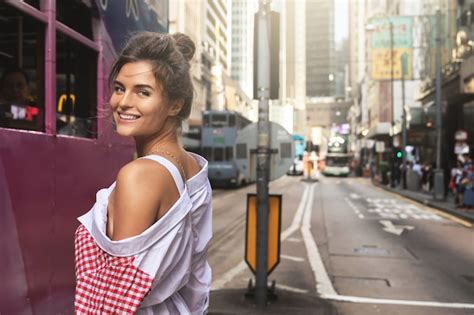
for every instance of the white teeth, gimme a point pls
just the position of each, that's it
(128, 116)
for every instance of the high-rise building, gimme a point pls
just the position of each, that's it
(320, 48)
(242, 43)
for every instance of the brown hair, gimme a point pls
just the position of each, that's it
(170, 57)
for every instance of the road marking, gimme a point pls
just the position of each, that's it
(436, 211)
(295, 224)
(356, 299)
(291, 289)
(293, 258)
(293, 239)
(298, 216)
(395, 229)
(354, 196)
(228, 276)
(323, 284)
(324, 287)
(353, 206)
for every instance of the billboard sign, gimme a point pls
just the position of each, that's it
(387, 47)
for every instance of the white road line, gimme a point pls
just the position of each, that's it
(293, 258)
(357, 299)
(324, 287)
(291, 289)
(293, 239)
(295, 224)
(323, 284)
(361, 216)
(228, 276)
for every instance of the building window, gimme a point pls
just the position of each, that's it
(76, 88)
(21, 70)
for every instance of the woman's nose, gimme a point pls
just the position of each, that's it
(124, 101)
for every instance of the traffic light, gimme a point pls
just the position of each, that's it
(398, 154)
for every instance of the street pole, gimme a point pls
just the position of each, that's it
(392, 102)
(404, 64)
(439, 173)
(263, 149)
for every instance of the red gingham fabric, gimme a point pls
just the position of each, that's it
(106, 284)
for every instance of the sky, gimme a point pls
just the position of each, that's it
(342, 19)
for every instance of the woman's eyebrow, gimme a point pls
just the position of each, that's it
(144, 86)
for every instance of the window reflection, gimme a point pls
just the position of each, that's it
(21, 71)
(76, 92)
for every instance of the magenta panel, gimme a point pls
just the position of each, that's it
(47, 182)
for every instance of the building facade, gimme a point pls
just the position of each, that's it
(320, 48)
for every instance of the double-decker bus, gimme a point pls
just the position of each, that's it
(218, 135)
(338, 160)
(58, 146)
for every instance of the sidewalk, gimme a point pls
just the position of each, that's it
(426, 199)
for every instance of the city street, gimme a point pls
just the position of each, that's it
(348, 247)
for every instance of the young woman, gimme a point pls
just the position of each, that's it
(142, 248)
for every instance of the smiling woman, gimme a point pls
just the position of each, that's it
(151, 253)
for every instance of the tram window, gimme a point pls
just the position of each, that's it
(219, 120)
(21, 70)
(285, 148)
(76, 14)
(229, 153)
(33, 3)
(206, 121)
(218, 154)
(231, 120)
(207, 152)
(76, 89)
(241, 150)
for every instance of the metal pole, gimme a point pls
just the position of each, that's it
(439, 174)
(263, 144)
(392, 97)
(404, 126)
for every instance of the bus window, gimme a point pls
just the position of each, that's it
(231, 120)
(21, 71)
(207, 152)
(206, 120)
(218, 154)
(219, 120)
(241, 150)
(76, 88)
(229, 153)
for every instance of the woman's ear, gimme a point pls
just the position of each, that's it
(176, 107)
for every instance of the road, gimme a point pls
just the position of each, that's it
(360, 248)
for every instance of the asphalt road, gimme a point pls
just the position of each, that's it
(347, 248)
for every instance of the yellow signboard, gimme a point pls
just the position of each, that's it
(381, 63)
(274, 229)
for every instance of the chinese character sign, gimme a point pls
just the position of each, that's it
(387, 47)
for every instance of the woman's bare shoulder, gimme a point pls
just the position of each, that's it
(141, 189)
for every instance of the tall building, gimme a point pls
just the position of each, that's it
(242, 43)
(320, 48)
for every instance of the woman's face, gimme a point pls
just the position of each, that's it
(138, 104)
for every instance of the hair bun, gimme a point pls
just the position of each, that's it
(185, 45)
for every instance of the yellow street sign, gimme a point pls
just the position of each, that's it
(274, 229)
